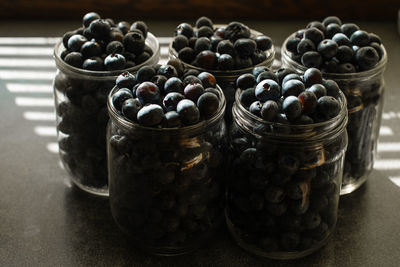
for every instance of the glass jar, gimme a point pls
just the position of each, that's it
(167, 184)
(80, 101)
(285, 181)
(227, 79)
(364, 92)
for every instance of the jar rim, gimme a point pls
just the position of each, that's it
(222, 73)
(186, 130)
(62, 65)
(380, 66)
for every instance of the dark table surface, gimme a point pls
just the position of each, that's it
(45, 221)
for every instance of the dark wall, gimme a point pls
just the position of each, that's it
(223, 9)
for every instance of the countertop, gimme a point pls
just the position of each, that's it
(46, 221)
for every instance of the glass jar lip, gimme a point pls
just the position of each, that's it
(367, 73)
(342, 113)
(267, 62)
(58, 48)
(191, 129)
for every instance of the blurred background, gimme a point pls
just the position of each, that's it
(222, 9)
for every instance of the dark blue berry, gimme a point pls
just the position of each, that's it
(226, 62)
(115, 47)
(349, 28)
(245, 47)
(206, 60)
(331, 19)
(378, 49)
(120, 96)
(359, 38)
(208, 104)
(344, 53)
(207, 79)
(74, 59)
(91, 49)
(204, 31)
(145, 73)
(367, 57)
(328, 107)
(184, 29)
(93, 63)
(305, 45)
(202, 44)
(89, 17)
(341, 39)
(171, 119)
(318, 89)
(257, 70)
(303, 119)
(191, 79)
(267, 90)
(332, 88)
(292, 108)
(214, 42)
(312, 76)
(247, 97)
(314, 35)
(243, 62)
(193, 91)
(134, 42)
(236, 30)
(188, 112)
(100, 28)
(255, 108)
(291, 76)
(327, 48)
(282, 72)
(186, 54)
(160, 81)
(66, 37)
(269, 110)
(258, 57)
(150, 115)
(308, 102)
(292, 87)
(126, 80)
(263, 42)
(316, 24)
(141, 26)
(130, 108)
(346, 68)
(148, 92)
(331, 30)
(311, 59)
(267, 75)
(374, 38)
(291, 44)
(115, 62)
(75, 42)
(171, 100)
(204, 21)
(124, 26)
(330, 65)
(173, 84)
(245, 81)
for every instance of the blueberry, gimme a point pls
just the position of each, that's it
(267, 90)
(208, 104)
(269, 110)
(344, 54)
(314, 35)
(292, 88)
(75, 42)
(115, 47)
(188, 112)
(257, 70)
(204, 31)
(120, 96)
(207, 79)
(312, 76)
(305, 45)
(243, 62)
(115, 35)
(66, 37)
(167, 71)
(148, 92)
(291, 76)
(171, 100)
(202, 44)
(141, 26)
(89, 17)
(303, 119)
(281, 73)
(184, 29)
(288, 164)
(341, 39)
(177, 64)
(349, 28)
(186, 54)
(100, 28)
(74, 59)
(318, 89)
(331, 30)
(245, 81)
(171, 119)
(236, 30)
(91, 49)
(258, 57)
(308, 101)
(263, 42)
(327, 48)
(124, 26)
(191, 79)
(130, 108)
(331, 19)
(330, 65)
(143, 57)
(316, 24)
(346, 68)
(214, 40)
(374, 38)
(226, 62)
(359, 38)
(160, 81)
(328, 107)
(266, 75)
(245, 47)
(247, 97)
(311, 220)
(193, 91)
(134, 42)
(311, 59)
(173, 84)
(226, 47)
(378, 49)
(126, 80)
(204, 21)
(255, 108)
(150, 115)
(145, 73)
(206, 60)
(115, 62)
(332, 88)
(367, 57)
(291, 44)
(93, 63)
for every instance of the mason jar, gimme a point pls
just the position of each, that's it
(365, 93)
(80, 101)
(227, 79)
(283, 192)
(167, 184)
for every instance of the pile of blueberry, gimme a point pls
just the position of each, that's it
(334, 47)
(224, 48)
(103, 45)
(288, 98)
(156, 97)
